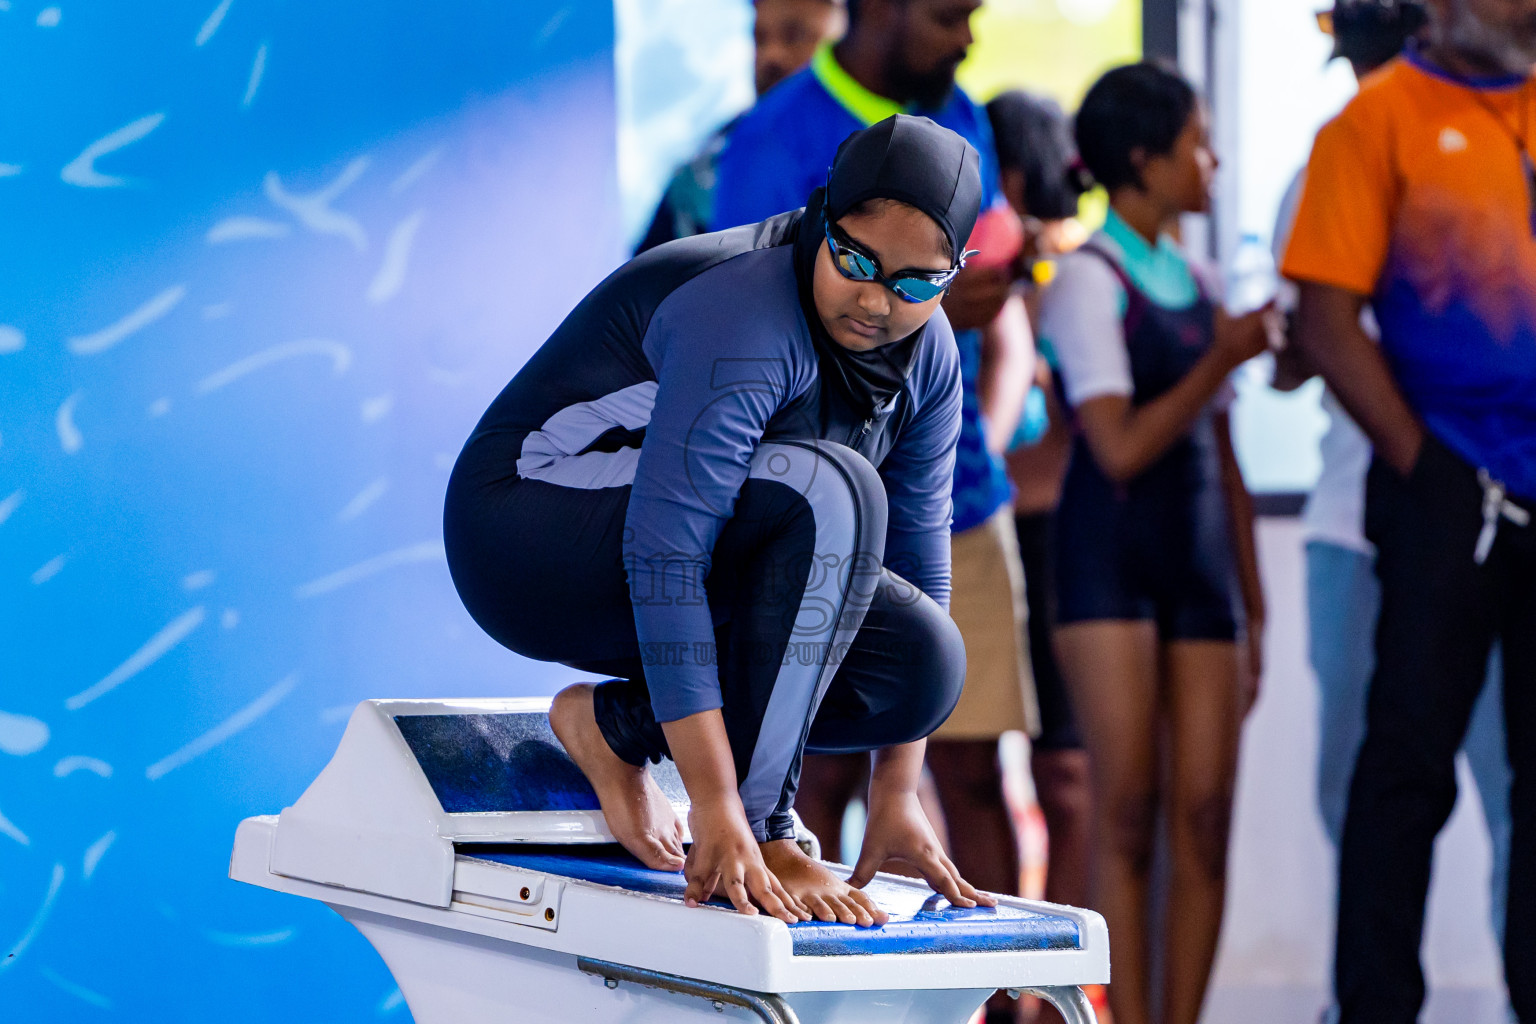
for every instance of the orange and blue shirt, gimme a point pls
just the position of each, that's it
(1417, 196)
(779, 152)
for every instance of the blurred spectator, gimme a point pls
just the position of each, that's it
(902, 55)
(1037, 166)
(1343, 596)
(1419, 200)
(1154, 533)
(784, 35)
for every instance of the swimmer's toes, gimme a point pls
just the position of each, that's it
(653, 853)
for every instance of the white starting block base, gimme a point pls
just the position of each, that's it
(509, 928)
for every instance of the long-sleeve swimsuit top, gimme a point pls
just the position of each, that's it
(668, 376)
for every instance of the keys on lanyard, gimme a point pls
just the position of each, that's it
(1496, 505)
(1530, 184)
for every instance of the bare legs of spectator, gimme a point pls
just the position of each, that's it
(1130, 692)
(981, 838)
(828, 784)
(1062, 788)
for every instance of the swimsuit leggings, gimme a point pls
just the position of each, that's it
(818, 647)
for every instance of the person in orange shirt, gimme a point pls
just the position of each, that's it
(1421, 201)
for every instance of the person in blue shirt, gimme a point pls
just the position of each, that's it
(901, 55)
(724, 480)
(785, 33)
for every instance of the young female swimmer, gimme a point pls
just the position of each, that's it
(725, 481)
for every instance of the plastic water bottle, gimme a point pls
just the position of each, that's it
(1252, 279)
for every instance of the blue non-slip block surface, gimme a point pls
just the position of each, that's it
(920, 922)
(498, 763)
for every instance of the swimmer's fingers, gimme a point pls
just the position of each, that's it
(940, 872)
(770, 895)
(736, 892)
(700, 889)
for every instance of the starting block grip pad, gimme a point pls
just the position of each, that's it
(922, 923)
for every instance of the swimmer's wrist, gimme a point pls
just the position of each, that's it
(720, 804)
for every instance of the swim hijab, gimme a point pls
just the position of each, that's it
(911, 160)
(915, 161)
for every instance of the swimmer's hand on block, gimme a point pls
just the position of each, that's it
(774, 877)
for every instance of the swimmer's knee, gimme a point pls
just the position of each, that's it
(835, 479)
(928, 643)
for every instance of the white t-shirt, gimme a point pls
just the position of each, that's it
(1082, 317)
(1335, 510)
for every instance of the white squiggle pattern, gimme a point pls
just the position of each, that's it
(263, 939)
(70, 438)
(391, 1002)
(49, 17)
(397, 253)
(551, 27)
(21, 735)
(211, 25)
(341, 358)
(420, 166)
(7, 828)
(217, 310)
(154, 309)
(363, 500)
(153, 650)
(48, 570)
(11, 339)
(14, 956)
(230, 619)
(258, 68)
(223, 731)
(374, 409)
(10, 170)
(96, 851)
(314, 210)
(11, 503)
(80, 992)
(339, 713)
(159, 407)
(427, 551)
(82, 170)
(237, 229)
(67, 766)
(198, 580)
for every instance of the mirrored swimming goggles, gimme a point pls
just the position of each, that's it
(911, 286)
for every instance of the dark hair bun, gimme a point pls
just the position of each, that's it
(1033, 136)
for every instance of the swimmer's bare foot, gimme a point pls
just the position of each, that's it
(638, 815)
(826, 896)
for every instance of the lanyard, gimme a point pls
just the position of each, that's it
(1522, 141)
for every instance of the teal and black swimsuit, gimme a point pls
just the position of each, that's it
(1159, 547)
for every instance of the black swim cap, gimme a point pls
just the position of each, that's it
(914, 161)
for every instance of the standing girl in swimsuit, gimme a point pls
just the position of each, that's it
(706, 483)
(1157, 580)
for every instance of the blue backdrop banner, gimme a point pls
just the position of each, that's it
(262, 266)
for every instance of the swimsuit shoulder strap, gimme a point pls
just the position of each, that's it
(1136, 300)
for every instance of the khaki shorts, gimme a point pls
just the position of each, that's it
(987, 603)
